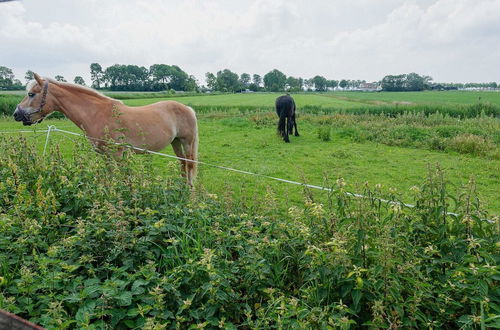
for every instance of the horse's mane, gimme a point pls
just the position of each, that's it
(79, 88)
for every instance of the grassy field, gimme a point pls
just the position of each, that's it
(97, 244)
(90, 243)
(249, 142)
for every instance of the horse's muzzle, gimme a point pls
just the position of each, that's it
(22, 115)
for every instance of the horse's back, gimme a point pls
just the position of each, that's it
(285, 103)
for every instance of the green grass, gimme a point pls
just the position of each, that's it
(244, 143)
(426, 97)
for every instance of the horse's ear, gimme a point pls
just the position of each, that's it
(38, 79)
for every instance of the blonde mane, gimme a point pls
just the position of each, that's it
(79, 88)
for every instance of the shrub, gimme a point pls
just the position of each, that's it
(324, 133)
(470, 144)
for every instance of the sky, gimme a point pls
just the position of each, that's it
(449, 40)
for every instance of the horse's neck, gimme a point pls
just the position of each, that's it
(84, 110)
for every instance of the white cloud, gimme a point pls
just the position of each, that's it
(451, 40)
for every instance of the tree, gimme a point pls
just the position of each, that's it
(332, 83)
(294, 84)
(319, 83)
(79, 80)
(343, 83)
(29, 76)
(211, 80)
(245, 80)
(405, 82)
(191, 84)
(275, 81)
(60, 78)
(6, 77)
(257, 80)
(256, 83)
(96, 75)
(227, 81)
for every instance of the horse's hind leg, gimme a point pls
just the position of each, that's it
(295, 124)
(177, 146)
(185, 149)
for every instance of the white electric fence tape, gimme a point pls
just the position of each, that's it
(53, 128)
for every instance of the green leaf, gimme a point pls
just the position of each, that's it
(125, 298)
(85, 312)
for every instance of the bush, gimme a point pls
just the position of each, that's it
(324, 133)
(470, 144)
(89, 242)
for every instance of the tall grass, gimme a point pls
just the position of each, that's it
(89, 242)
(8, 103)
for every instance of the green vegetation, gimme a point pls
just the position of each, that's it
(88, 242)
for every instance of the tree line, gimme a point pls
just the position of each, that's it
(161, 77)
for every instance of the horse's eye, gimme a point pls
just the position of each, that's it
(31, 94)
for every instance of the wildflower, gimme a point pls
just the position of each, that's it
(317, 210)
(415, 189)
(341, 183)
(430, 250)
(187, 303)
(212, 196)
(295, 212)
(395, 207)
(467, 220)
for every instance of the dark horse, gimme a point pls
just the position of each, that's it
(285, 108)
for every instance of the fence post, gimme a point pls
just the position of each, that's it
(50, 128)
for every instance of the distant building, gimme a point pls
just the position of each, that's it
(369, 87)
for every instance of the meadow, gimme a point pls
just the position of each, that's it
(87, 242)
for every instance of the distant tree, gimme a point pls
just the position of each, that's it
(6, 77)
(257, 80)
(245, 80)
(227, 81)
(161, 75)
(96, 75)
(211, 80)
(414, 82)
(343, 83)
(332, 83)
(79, 80)
(256, 83)
(319, 83)
(275, 81)
(60, 78)
(178, 79)
(191, 84)
(405, 82)
(29, 76)
(294, 84)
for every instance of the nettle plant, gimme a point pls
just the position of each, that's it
(87, 241)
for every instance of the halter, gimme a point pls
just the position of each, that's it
(44, 97)
(27, 116)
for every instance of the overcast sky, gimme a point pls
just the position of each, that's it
(450, 40)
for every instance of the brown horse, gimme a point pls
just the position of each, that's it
(105, 120)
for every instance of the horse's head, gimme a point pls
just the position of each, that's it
(36, 104)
